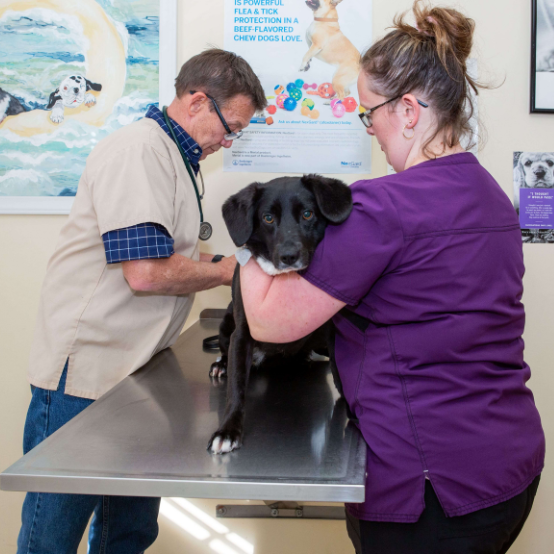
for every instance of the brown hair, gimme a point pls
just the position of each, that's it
(220, 74)
(428, 59)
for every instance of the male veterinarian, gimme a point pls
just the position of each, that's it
(121, 283)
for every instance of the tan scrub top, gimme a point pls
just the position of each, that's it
(88, 313)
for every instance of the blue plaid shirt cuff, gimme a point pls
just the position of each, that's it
(145, 241)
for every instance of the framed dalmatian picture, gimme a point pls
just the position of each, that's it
(72, 72)
(542, 56)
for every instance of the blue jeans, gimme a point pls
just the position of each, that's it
(55, 523)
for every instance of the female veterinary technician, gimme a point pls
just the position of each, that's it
(431, 259)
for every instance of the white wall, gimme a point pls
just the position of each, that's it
(503, 50)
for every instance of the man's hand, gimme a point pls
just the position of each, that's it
(228, 265)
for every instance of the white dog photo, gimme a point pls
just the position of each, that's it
(71, 93)
(533, 170)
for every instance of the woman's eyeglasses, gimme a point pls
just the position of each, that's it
(366, 116)
(231, 135)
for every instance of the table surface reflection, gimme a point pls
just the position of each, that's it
(148, 436)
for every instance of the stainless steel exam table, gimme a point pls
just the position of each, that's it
(148, 435)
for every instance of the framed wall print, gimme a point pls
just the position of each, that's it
(542, 56)
(70, 74)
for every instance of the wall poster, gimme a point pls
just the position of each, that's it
(534, 195)
(71, 72)
(306, 55)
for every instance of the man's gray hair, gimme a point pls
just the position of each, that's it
(223, 75)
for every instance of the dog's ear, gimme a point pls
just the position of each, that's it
(519, 175)
(54, 97)
(238, 213)
(333, 197)
(335, 2)
(93, 86)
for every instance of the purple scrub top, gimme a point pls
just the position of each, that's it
(432, 256)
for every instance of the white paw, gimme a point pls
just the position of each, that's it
(218, 369)
(223, 446)
(90, 100)
(56, 116)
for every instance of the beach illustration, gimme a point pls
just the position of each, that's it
(70, 74)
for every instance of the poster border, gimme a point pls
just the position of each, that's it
(46, 205)
(534, 16)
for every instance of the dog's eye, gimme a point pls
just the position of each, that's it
(268, 218)
(307, 215)
(528, 163)
(550, 163)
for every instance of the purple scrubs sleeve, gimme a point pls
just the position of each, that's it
(432, 257)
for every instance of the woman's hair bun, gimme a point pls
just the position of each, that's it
(428, 59)
(452, 31)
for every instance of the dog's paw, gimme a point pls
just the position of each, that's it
(56, 117)
(305, 67)
(90, 100)
(223, 442)
(218, 369)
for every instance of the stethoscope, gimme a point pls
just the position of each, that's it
(205, 227)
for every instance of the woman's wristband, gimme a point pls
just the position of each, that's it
(217, 258)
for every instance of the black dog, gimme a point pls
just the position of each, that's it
(9, 105)
(281, 222)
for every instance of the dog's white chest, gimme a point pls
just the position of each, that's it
(310, 33)
(257, 357)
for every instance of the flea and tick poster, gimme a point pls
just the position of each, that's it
(306, 55)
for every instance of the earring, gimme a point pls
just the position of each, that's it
(404, 131)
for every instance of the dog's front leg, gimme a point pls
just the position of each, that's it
(313, 51)
(229, 435)
(57, 112)
(90, 100)
(218, 369)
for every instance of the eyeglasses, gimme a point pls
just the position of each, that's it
(366, 116)
(231, 135)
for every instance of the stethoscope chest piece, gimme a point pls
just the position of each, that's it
(205, 231)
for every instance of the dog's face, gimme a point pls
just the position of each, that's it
(537, 169)
(72, 93)
(72, 90)
(282, 221)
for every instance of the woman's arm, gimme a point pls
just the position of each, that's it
(283, 308)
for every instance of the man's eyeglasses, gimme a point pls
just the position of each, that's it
(231, 135)
(366, 116)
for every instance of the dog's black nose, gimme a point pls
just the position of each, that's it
(289, 258)
(76, 90)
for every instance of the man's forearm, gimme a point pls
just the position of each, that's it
(206, 257)
(174, 275)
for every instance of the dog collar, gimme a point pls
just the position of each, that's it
(329, 19)
(243, 255)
